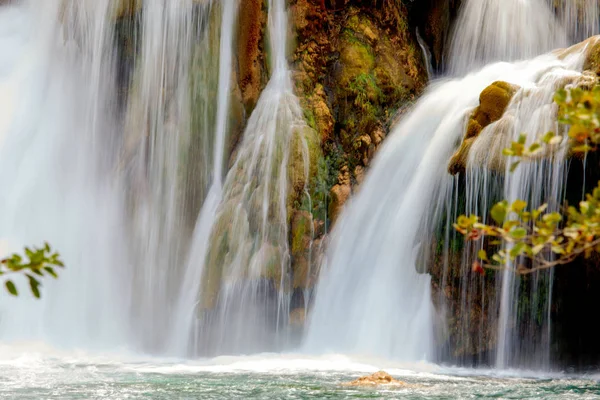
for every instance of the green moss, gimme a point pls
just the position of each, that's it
(301, 227)
(356, 58)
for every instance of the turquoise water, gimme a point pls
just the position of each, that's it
(50, 375)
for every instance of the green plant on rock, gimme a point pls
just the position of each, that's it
(37, 262)
(533, 239)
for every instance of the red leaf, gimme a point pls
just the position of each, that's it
(477, 268)
(475, 234)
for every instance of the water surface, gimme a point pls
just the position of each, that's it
(42, 373)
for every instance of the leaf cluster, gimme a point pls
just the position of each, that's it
(35, 263)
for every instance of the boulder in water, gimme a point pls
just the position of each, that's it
(376, 379)
(493, 101)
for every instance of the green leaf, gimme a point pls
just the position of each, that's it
(482, 255)
(34, 285)
(50, 270)
(57, 263)
(514, 166)
(547, 137)
(10, 286)
(518, 233)
(518, 206)
(498, 212)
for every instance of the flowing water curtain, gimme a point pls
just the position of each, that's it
(512, 313)
(166, 153)
(56, 168)
(581, 18)
(246, 285)
(491, 30)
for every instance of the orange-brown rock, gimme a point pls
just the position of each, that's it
(249, 55)
(376, 379)
(339, 194)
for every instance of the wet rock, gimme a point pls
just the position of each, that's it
(339, 194)
(592, 60)
(126, 8)
(302, 231)
(359, 174)
(251, 22)
(297, 317)
(493, 101)
(376, 379)
(305, 151)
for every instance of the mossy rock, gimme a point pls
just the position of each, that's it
(493, 102)
(305, 152)
(301, 231)
(219, 248)
(271, 261)
(302, 280)
(458, 162)
(356, 58)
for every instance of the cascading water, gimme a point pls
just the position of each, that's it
(115, 191)
(56, 152)
(139, 172)
(492, 30)
(371, 298)
(512, 30)
(242, 246)
(157, 132)
(580, 18)
(386, 309)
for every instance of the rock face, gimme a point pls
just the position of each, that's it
(355, 64)
(492, 103)
(250, 56)
(376, 379)
(434, 18)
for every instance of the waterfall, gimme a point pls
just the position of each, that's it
(56, 152)
(75, 149)
(373, 296)
(491, 30)
(580, 18)
(186, 321)
(157, 131)
(241, 256)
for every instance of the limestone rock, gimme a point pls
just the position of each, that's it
(376, 379)
(249, 54)
(592, 60)
(302, 227)
(493, 101)
(339, 194)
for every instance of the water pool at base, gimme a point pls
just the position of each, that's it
(48, 374)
